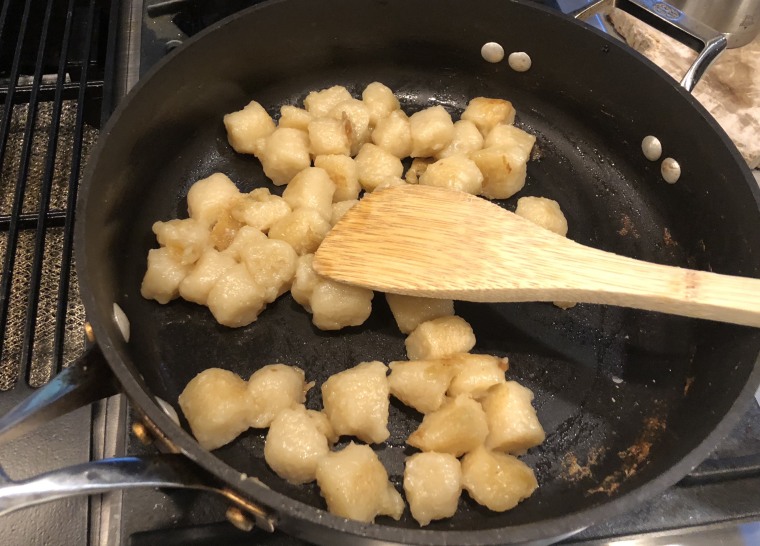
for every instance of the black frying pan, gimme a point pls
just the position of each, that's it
(590, 101)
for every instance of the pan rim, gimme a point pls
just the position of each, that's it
(291, 510)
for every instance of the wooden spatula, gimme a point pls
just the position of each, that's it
(427, 241)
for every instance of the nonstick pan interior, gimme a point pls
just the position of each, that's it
(624, 395)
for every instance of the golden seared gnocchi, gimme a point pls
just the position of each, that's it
(475, 374)
(543, 212)
(433, 485)
(260, 209)
(457, 427)
(164, 275)
(393, 134)
(312, 188)
(355, 485)
(467, 138)
(440, 337)
(411, 311)
(343, 172)
(503, 172)
(456, 172)
(319, 103)
(214, 403)
(380, 102)
(209, 199)
(295, 444)
(374, 165)
(285, 154)
(511, 138)
(224, 231)
(487, 113)
(512, 422)
(496, 480)
(356, 402)
(208, 269)
(273, 388)
(421, 384)
(303, 229)
(356, 114)
(329, 136)
(432, 130)
(247, 128)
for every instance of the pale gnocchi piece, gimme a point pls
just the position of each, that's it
(224, 231)
(323, 425)
(335, 305)
(235, 299)
(197, 284)
(417, 169)
(440, 337)
(247, 127)
(306, 279)
(456, 172)
(294, 445)
(543, 212)
(343, 172)
(393, 134)
(512, 420)
(339, 209)
(356, 402)
(163, 276)
(355, 485)
(496, 480)
(380, 102)
(285, 154)
(511, 138)
(329, 136)
(411, 311)
(421, 384)
(432, 130)
(245, 237)
(475, 374)
(294, 117)
(487, 113)
(214, 404)
(503, 173)
(273, 388)
(467, 138)
(260, 209)
(303, 229)
(319, 103)
(357, 114)
(272, 265)
(457, 427)
(374, 165)
(433, 485)
(312, 188)
(210, 198)
(185, 239)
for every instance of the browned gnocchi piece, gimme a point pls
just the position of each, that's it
(512, 420)
(343, 172)
(487, 113)
(496, 480)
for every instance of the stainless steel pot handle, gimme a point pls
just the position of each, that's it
(168, 470)
(708, 42)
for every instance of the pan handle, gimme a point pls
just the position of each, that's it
(87, 380)
(167, 470)
(708, 42)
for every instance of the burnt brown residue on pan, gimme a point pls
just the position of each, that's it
(687, 385)
(667, 238)
(627, 228)
(636, 456)
(574, 471)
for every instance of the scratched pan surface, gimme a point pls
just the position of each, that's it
(630, 400)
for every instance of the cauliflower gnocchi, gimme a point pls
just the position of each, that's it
(411, 311)
(209, 199)
(393, 134)
(356, 402)
(475, 374)
(512, 422)
(319, 103)
(496, 480)
(312, 188)
(260, 209)
(374, 165)
(163, 277)
(543, 212)
(432, 130)
(421, 384)
(457, 427)
(273, 388)
(503, 173)
(303, 229)
(343, 172)
(235, 299)
(294, 117)
(487, 113)
(440, 337)
(285, 154)
(335, 305)
(355, 485)
(329, 136)
(247, 128)
(433, 484)
(467, 138)
(210, 267)
(380, 102)
(456, 172)
(356, 114)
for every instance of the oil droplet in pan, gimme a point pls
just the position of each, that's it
(652, 148)
(519, 61)
(492, 52)
(671, 170)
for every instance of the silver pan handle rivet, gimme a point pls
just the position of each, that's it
(89, 332)
(141, 433)
(492, 52)
(671, 170)
(651, 147)
(236, 517)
